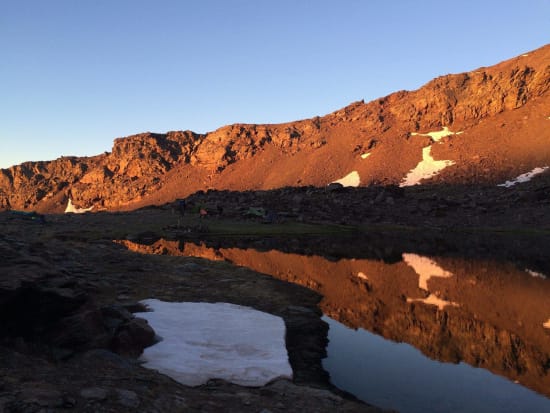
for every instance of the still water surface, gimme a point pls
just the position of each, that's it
(398, 376)
(416, 328)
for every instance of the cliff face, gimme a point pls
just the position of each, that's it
(497, 122)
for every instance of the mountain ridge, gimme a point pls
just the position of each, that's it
(497, 118)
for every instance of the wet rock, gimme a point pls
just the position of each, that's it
(127, 398)
(82, 330)
(132, 337)
(191, 267)
(107, 357)
(94, 393)
(114, 316)
(334, 187)
(40, 394)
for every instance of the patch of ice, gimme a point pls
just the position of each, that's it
(426, 168)
(535, 274)
(433, 300)
(437, 135)
(365, 155)
(203, 341)
(547, 324)
(425, 268)
(362, 276)
(71, 209)
(351, 179)
(526, 177)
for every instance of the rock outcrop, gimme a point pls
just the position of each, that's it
(497, 119)
(44, 309)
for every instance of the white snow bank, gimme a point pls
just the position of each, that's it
(535, 274)
(202, 341)
(437, 135)
(74, 210)
(362, 276)
(547, 324)
(433, 300)
(526, 177)
(426, 168)
(425, 268)
(365, 155)
(351, 179)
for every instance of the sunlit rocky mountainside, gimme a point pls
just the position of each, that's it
(493, 124)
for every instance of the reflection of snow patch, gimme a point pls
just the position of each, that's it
(437, 135)
(535, 274)
(433, 300)
(365, 155)
(351, 179)
(547, 324)
(74, 210)
(526, 177)
(427, 168)
(362, 276)
(425, 268)
(202, 341)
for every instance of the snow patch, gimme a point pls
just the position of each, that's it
(71, 209)
(525, 55)
(426, 168)
(365, 155)
(203, 341)
(351, 179)
(425, 268)
(526, 177)
(535, 274)
(362, 276)
(547, 324)
(433, 300)
(437, 135)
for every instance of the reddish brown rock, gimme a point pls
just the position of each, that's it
(502, 111)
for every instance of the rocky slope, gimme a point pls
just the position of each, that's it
(494, 122)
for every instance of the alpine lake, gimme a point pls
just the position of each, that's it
(418, 321)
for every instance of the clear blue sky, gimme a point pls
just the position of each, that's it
(75, 74)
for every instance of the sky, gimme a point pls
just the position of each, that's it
(75, 75)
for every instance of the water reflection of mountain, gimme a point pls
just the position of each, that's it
(489, 313)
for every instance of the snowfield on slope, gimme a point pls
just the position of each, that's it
(526, 177)
(437, 135)
(71, 209)
(352, 179)
(426, 168)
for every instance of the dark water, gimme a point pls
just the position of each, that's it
(398, 376)
(424, 324)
